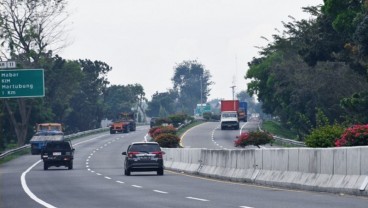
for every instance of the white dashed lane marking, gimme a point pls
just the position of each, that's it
(120, 182)
(198, 199)
(108, 178)
(161, 192)
(136, 186)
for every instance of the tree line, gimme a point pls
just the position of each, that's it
(316, 68)
(77, 92)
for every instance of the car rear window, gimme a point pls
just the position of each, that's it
(144, 148)
(58, 146)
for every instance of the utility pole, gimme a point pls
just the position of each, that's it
(200, 78)
(233, 87)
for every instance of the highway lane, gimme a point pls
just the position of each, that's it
(209, 135)
(98, 181)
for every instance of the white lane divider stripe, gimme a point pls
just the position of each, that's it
(120, 182)
(245, 207)
(136, 186)
(28, 191)
(98, 174)
(198, 199)
(24, 182)
(107, 177)
(161, 192)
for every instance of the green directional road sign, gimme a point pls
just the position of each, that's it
(22, 83)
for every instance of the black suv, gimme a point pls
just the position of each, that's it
(144, 156)
(58, 153)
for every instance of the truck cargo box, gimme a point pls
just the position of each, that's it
(229, 105)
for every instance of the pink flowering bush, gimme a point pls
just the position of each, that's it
(155, 131)
(165, 136)
(167, 140)
(356, 135)
(255, 138)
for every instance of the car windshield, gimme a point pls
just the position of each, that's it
(144, 148)
(229, 115)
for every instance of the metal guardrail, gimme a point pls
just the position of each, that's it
(289, 142)
(70, 137)
(9, 152)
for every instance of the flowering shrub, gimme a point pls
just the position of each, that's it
(255, 138)
(155, 131)
(165, 136)
(152, 130)
(356, 135)
(167, 140)
(324, 136)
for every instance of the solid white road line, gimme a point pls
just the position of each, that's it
(24, 182)
(28, 191)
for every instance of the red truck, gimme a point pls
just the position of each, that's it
(229, 114)
(235, 105)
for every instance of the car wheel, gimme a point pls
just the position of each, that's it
(127, 172)
(160, 171)
(45, 166)
(70, 166)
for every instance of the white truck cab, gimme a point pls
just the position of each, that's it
(229, 120)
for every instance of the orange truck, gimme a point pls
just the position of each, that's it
(125, 123)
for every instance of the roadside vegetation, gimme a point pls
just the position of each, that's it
(17, 154)
(167, 131)
(316, 70)
(276, 128)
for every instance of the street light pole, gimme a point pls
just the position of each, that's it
(233, 87)
(200, 78)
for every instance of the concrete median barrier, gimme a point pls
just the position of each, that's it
(336, 170)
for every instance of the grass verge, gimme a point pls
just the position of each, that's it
(275, 128)
(17, 154)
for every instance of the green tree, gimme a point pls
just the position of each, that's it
(294, 76)
(28, 31)
(87, 103)
(192, 81)
(164, 102)
(121, 98)
(62, 81)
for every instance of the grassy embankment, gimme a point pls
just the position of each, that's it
(26, 151)
(275, 128)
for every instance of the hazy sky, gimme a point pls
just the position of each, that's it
(143, 40)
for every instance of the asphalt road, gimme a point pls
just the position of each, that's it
(209, 135)
(97, 180)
